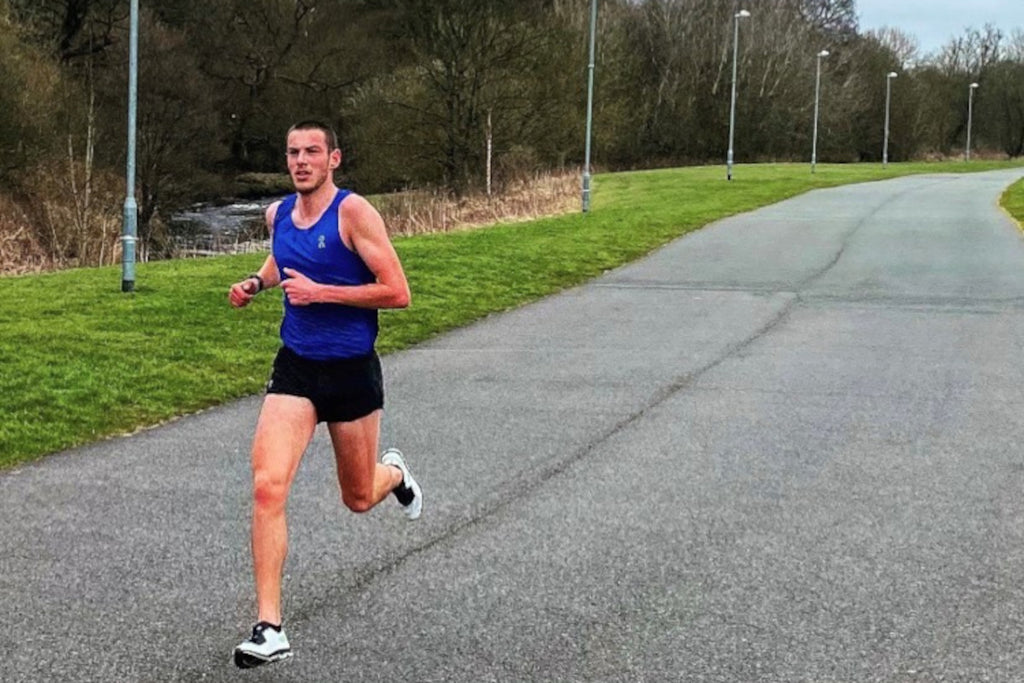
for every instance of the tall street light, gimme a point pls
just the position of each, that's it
(888, 96)
(590, 107)
(131, 209)
(732, 109)
(970, 116)
(817, 97)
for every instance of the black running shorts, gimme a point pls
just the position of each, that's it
(341, 390)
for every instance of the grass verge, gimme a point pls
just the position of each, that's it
(1013, 201)
(82, 361)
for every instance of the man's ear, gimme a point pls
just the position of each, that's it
(335, 159)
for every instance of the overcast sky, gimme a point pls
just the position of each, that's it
(934, 22)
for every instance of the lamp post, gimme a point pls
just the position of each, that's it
(732, 109)
(888, 96)
(817, 97)
(590, 106)
(970, 116)
(131, 209)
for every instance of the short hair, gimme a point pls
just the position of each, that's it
(313, 124)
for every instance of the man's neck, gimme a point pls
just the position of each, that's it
(313, 204)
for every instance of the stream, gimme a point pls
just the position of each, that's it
(206, 230)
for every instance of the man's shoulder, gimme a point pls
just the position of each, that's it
(351, 199)
(356, 207)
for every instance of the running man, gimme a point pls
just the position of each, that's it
(331, 255)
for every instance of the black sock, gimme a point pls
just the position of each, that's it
(403, 493)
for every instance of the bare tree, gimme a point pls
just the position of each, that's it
(904, 47)
(999, 111)
(72, 28)
(971, 52)
(470, 57)
(834, 18)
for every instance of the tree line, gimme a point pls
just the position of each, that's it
(416, 89)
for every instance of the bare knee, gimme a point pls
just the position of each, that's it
(357, 501)
(270, 492)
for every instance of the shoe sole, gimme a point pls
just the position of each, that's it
(249, 660)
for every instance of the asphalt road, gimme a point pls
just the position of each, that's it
(785, 448)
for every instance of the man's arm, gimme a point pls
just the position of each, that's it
(362, 228)
(242, 292)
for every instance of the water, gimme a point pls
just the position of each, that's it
(228, 229)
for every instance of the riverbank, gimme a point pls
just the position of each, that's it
(64, 233)
(240, 227)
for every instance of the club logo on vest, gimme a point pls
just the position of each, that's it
(321, 243)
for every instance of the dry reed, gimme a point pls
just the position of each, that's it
(418, 212)
(20, 251)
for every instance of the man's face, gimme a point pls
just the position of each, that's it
(309, 162)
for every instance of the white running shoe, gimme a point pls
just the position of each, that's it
(408, 493)
(267, 644)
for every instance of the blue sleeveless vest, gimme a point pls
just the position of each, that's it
(322, 331)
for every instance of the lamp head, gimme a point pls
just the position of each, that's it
(891, 74)
(973, 86)
(742, 14)
(823, 53)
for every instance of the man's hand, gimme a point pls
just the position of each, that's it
(300, 290)
(242, 292)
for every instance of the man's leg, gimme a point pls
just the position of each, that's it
(284, 430)
(364, 481)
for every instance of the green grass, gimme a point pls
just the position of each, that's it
(1013, 201)
(81, 360)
